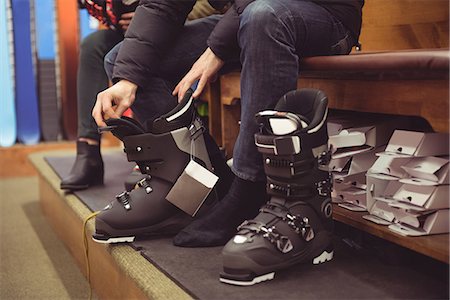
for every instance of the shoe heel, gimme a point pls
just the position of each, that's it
(325, 256)
(97, 180)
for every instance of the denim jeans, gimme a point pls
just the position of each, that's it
(273, 37)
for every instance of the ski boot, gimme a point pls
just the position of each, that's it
(295, 225)
(133, 179)
(163, 153)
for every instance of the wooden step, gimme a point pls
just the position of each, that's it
(116, 271)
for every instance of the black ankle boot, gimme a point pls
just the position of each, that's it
(215, 229)
(87, 169)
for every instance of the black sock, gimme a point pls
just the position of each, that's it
(220, 166)
(242, 202)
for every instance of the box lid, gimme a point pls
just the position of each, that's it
(428, 170)
(429, 197)
(390, 165)
(352, 137)
(414, 143)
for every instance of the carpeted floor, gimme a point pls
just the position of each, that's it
(34, 263)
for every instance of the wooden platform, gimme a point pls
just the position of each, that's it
(129, 274)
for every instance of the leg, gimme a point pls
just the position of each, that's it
(88, 167)
(273, 35)
(91, 77)
(295, 226)
(152, 100)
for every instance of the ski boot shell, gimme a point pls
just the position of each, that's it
(295, 226)
(162, 154)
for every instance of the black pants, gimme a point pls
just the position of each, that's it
(91, 77)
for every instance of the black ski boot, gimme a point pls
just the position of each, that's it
(173, 142)
(295, 226)
(131, 182)
(87, 170)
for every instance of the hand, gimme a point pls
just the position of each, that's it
(125, 20)
(205, 69)
(114, 101)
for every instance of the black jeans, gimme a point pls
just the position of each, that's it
(91, 77)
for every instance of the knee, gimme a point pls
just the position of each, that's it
(108, 63)
(259, 18)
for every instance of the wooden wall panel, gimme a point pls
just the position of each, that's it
(405, 24)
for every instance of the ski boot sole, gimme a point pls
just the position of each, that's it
(168, 227)
(251, 278)
(110, 240)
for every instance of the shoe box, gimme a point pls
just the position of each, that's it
(408, 185)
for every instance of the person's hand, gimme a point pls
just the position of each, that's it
(205, 69)
(114, 101)
(125, 20)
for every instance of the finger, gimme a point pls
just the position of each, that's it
(200, 86)
(97, 115)
(183, 90)
(176, 89)
(121, 109)
(108, 111)
(128, 16)
(186, 85)
(124, 22)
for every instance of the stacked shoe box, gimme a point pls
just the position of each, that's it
(355, 138)
(408, 185)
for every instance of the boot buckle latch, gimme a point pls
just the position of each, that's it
(282, 242)
(324, 158)
(324, 187)
(145, 184)
(124, 199)
(196, 129)
(300, 226)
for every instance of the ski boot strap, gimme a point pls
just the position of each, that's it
(293, 166)
(295, 190)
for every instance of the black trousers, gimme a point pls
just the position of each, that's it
(92, 78)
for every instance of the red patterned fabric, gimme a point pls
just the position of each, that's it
(108, 12)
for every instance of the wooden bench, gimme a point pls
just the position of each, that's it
(411, 83)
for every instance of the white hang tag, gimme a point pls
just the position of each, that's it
(192, 188)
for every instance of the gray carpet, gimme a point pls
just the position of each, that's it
(364, 267)
(34, 263)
